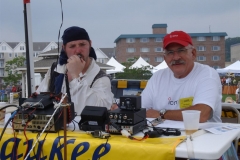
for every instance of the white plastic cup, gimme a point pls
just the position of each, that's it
(191, 120)
(2, 113)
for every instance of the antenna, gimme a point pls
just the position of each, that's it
(209, 28)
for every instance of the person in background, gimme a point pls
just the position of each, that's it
(36, 87)
(184, 85)
(19, 90)
(87, 84)
(2, 93)
(224, 80)
(236, 93)
(7, 91)
(228, 81)
(14, 88)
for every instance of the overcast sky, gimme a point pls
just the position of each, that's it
(105, 20)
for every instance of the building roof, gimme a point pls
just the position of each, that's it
(53, 52)
(237, 44)
(124, 36)
(110, 52)
(12, 44)
(37, 46)
(40, 46)
(159, 26)
(44, 64)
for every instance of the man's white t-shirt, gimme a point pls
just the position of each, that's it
(201, 86)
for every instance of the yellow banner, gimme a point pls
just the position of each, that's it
(83, 146)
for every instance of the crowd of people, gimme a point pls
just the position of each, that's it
(5, 92)
(231, 81)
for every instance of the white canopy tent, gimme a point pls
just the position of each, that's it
(233, 68)
(160, 66)
(140, 63)
(118, 66)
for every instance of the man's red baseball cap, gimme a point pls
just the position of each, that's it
(179, 37)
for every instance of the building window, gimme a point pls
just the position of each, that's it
(23, 54)
(131, 59)
(21, 48)
(4, 48)
(216, 38)
(201, 58)
(52, 47)
(130, 50)
(201, 48)
(1, 63)
(130, 40)
(146, 59)
(216, 48)
(215, 58)
(144, 40)
(158, 39)
(1, 55)
(215, 67)
(2, 74)
(144, 49)
(158, 59)
(201, 38)
(158, 49)
(15, 55)
(35, 54)
(10, 54)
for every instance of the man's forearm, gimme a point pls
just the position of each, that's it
(176, 115)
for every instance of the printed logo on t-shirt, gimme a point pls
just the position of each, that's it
(185, 102)
(172, 103)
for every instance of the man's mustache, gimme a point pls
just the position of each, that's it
(177, 62)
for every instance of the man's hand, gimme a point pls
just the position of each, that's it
(114, 106)
(75, 66)
(152, 113)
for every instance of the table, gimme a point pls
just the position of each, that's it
(207, 146)
(235, 105)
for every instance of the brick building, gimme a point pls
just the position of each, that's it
(210, 46)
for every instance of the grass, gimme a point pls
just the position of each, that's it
(228, 95)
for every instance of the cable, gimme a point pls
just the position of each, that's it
(24, 132)
(5, 126)
(73, 122)
(11, 105)
(57, 107)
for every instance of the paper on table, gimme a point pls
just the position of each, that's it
(222, 129)
(215, 128)
(169, 124)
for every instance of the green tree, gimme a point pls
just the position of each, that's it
(11, 68)
(143, 73)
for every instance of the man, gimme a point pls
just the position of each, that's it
(81, 70)
(184, 85)
(237, 94)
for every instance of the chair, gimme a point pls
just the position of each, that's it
(231, 115)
